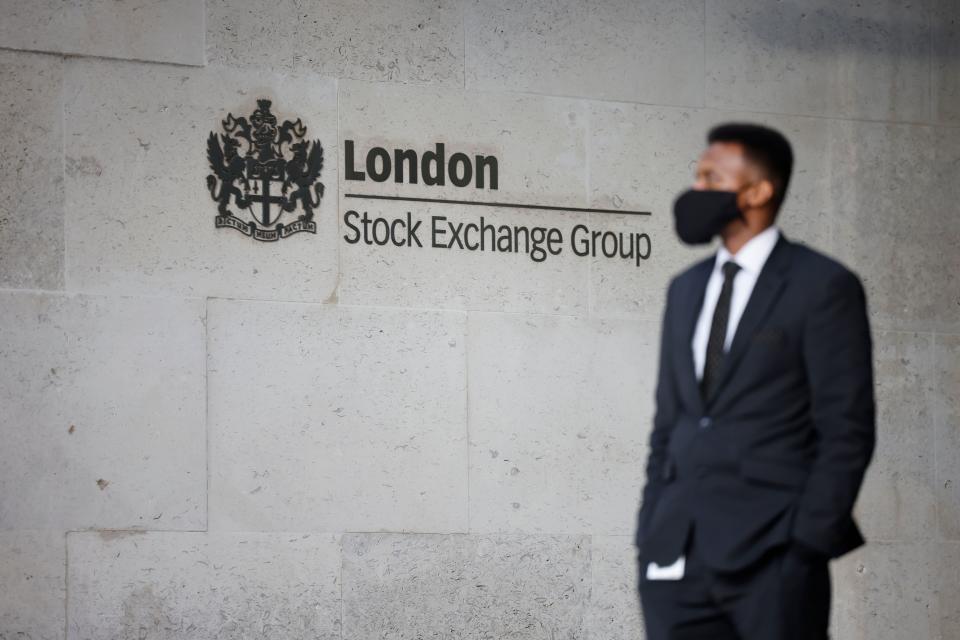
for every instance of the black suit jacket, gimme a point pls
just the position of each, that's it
(777, 454)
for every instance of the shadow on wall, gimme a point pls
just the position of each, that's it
(906, 31)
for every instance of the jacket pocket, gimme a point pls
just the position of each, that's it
(783, 474)
(774, 337)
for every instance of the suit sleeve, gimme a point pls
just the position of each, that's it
(664, 418)
(837, 353)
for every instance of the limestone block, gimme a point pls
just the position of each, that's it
(169, 31)
(560, 414)
(946, 575)
(946, 377)
(896, 225)
(31, 171)
(631, 51)
(203, 585)
(945, 24)
(409, 41)
(641, 158)
(538, 143)
(140, 215)
(464, 586)
(103, 420)
(819, 57)
(615, 612)
(888, 591)
(32, 565)
(897, 501)
(336, 418)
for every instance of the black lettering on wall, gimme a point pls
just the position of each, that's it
(431, 168)
(485, 162)
(350, 172)
(384, 172)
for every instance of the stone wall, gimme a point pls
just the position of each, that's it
(208, 436)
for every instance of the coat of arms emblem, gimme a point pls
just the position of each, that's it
(267, 170)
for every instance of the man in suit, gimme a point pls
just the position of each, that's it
(764, 421)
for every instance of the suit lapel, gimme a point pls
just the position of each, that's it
(770, 283)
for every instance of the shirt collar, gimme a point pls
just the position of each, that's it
(753, 254)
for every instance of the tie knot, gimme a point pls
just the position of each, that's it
(730, 269)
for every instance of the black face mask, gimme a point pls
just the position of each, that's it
(700, 215)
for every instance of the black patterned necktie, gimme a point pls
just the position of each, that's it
(718, 331)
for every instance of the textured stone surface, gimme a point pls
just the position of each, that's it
(103, 420)
(617, 50)
(474, 423)
(897, 498)
(460, 586)
(539, 146)
(820, 57)
(336, 418)
(889, 591)
(895, 192)
(386, 40)
(947, 576)
(946, 398)
(614, 612)
(945, 26)
(560, 413)
(641, 158)
(168, 31)
(204, 585)
(140, 217)
(31, 171)
(32, 584)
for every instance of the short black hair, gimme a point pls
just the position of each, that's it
(765, 146)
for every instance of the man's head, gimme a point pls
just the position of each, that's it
(753, 160)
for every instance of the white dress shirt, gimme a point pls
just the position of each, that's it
(751, 258)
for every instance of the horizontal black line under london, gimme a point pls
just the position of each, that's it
(512, 205)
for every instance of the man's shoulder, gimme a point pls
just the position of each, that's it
(698, 269)
(810, 265)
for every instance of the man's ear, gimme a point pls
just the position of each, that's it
(760, 194)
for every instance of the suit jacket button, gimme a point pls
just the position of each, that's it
(705, 422)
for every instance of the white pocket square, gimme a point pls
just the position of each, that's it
(670, 572)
